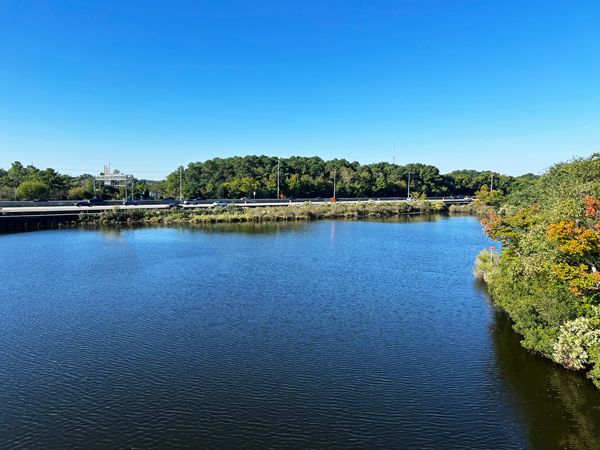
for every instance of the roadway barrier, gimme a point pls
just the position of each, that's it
(37, 221)
(22, 204)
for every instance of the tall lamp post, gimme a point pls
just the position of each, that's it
(408, 195)
(277, 177)
(334, 172)
(180, 167)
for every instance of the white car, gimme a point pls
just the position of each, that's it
(190, 202)
(217, 203)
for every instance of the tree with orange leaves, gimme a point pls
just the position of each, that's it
(580, 244)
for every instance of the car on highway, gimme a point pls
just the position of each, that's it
(218, 203)
(410, 199)
(92, 202)
(39, 200)
(245, 198)
(130, 202)
(291, 198)
(319, 198)
(97, 201)
(169, 199)
(190, 202)
(201, 198)
(174, 205)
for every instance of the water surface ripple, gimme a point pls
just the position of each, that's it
(311, 335)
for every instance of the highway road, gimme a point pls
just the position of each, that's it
(252, 204)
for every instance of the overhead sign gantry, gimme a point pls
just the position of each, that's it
(114, 180)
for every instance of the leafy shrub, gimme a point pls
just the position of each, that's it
(578, 344)
(484, 265)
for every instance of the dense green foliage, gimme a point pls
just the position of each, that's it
(548, 279)
(309, 177)
(298, 176)
(28, 183)
(32, 182)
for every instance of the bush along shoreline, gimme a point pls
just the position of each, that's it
(547, 275)
(233, 213)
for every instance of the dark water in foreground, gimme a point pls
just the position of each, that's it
(304, 335)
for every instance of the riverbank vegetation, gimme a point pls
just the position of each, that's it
(234, 213)
(547, 277)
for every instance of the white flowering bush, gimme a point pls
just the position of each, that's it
(578, 344)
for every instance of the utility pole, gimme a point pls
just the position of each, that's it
(180, 183)
(277, 177)
(492, 184)
(408, 195)
(334, 172)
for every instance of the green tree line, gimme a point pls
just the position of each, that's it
(236, 177)
(313, 177)
(29, 183)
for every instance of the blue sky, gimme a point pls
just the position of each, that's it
(510, 86)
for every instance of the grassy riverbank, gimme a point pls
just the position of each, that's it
(233, 213)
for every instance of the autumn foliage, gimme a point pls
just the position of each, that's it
(548, 278)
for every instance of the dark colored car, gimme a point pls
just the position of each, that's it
(130, 202)
(39, 200)
(169, 199)
(319, 198)
(291, 198)
(97, 201)
(201, 198)
(92, 202)
(245, 198)
(174, 205)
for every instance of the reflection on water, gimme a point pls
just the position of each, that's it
(560, 407)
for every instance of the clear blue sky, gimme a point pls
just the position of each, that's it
(510, 86)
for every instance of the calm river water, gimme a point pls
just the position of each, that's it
(336, 334)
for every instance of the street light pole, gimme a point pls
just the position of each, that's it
(408, 195)
(277, 177)
(334, 172)
(180, 183)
